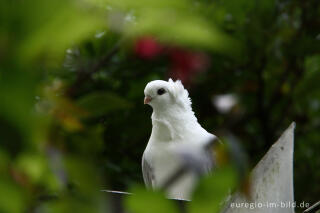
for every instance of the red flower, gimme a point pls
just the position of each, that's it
(185, 64)
(147, 47)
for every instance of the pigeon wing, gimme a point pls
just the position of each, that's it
(208, 157)
(210, 153)
(147, 173)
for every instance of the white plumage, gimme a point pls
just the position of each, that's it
(177, 139)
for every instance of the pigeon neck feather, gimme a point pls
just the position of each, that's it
(173, 121)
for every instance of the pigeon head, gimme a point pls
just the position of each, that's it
(166, 94)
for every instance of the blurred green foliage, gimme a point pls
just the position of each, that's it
(72, 120)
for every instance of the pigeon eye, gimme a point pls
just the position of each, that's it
(161, 91)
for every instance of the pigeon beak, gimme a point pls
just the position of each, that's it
(147, 99)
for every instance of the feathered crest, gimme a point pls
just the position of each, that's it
(180, 93)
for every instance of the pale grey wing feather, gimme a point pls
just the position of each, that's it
(210, 154)
(202, 161)
(147, 173)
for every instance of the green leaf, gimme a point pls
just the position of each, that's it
(101, 103)
(144, 201)
(308, 87)
(83, 174)
(184, 29)
(56, 25)
(176, 22)
(312, 64)
(34, 165)
(138, 4)
(74, 204)
(12, 198)
(212, 190)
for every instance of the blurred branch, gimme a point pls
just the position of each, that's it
(84, 75)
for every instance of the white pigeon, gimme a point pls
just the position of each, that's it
(177, 140)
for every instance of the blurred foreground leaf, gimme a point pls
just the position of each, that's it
(73, 204)
(12, 198)
(176, 22)
(56, 25)
(213, 190)
(144, 201)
